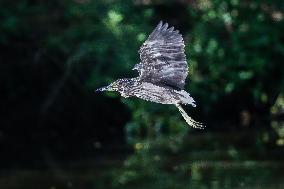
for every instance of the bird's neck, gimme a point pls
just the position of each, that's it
(128, 87)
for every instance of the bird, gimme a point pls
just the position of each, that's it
(162, 72)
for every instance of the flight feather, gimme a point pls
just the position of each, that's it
(163, 61)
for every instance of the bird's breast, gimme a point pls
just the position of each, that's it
(154, 93)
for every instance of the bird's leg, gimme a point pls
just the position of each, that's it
(188, 119)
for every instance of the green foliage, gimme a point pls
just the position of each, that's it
(235, 47)
(235, 50)
(178, 162)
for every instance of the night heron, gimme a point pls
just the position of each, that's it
(162, 72)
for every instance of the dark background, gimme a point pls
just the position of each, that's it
(54, 54)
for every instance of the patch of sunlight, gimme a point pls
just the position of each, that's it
(244, 75)
(139, 146)
(112, 21)
(204, 4)
(141, 37)
(227, 18)
(212, 14)
(279, 104)
(229, 87)
(280, 142)
(278, 126)
(115, 17)
(277, 16)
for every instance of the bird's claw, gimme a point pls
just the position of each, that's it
(197, 125)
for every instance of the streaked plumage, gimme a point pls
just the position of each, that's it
(162, 72)
(163, 60)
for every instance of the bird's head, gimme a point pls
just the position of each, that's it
(118, 85)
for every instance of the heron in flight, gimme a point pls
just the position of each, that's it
(162, 72)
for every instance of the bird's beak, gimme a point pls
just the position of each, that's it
(106, 88)
(101, 89)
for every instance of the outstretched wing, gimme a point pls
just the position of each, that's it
(163, 60)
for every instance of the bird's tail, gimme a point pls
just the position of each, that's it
(188, 119)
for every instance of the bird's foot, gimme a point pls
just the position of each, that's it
(196, 124)
(189, 120)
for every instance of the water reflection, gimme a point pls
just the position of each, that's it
(278, 127)
(246, 159)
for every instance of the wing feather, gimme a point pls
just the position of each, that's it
(163, 60)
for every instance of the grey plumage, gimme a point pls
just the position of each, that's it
(162, 72)
(163, 59)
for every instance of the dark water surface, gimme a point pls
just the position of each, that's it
(196, 161)
(203, 174)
